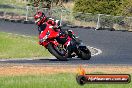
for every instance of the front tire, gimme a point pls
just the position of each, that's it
(54, 51)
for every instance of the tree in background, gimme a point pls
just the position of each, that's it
(47, 2)
(112, 7)
(126, 8)
(41, 3)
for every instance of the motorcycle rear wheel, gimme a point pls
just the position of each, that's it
(85, 54)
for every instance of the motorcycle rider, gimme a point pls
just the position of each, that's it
(41, 19)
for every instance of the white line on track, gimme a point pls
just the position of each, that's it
(20, 35)
(98, 51)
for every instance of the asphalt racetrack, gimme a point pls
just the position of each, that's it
(116, 46)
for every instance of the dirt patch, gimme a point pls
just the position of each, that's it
(35, 70)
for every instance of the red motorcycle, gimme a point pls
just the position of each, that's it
(50, 40)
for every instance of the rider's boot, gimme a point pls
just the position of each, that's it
(72, 35)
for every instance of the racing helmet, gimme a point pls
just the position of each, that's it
(39, 18)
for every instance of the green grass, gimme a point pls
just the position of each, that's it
(13, 2)
(61, 80)
(15, 46)
(17, 11)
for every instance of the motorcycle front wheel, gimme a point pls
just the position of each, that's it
(58, 52)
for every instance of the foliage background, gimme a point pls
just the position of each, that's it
(111, 7)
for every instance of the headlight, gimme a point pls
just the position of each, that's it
(46, 36)
(43, 39)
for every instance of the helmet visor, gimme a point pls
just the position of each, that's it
(37, 20)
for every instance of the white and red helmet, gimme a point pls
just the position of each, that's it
(39, 18)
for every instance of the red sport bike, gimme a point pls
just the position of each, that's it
(50, 40)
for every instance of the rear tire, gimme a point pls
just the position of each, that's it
(54, 52)
(85, 54)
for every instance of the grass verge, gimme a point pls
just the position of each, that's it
(15, 46)
(13, 2)
(60, 80)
